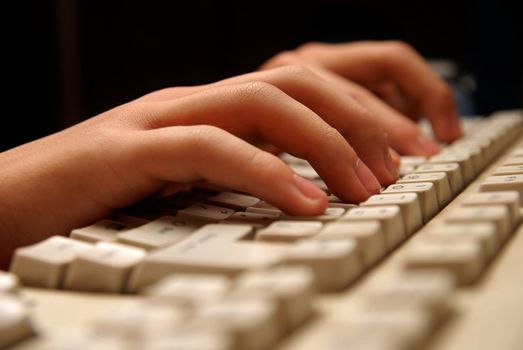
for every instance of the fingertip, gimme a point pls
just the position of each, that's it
(396, 159)
(426, 145)
(446, 124)
(421, 146)
(366, 177)
(307, 188)
(313, 199)
(392, 165)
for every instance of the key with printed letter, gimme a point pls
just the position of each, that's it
(44, 264)
(389, 217)
(426, 195)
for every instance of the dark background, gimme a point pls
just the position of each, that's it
(67, 60)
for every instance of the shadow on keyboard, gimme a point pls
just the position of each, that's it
(434, 261)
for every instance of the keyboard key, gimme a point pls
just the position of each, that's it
(335, 202)
(464, 160)
(189, 290)
(322, 185)
(406, 169)
(137, 322)
(511, 199)
(478, 149)
(236, 201)
(335, 263)
(214, 234)
(103, 268)
(292, 288)
(336, 334)
(104, 230)
(440, 181)
(496, 214)
(403, 327)
(161, 232)
(289, 231)
(188, 338)
(254, 219)
(514, 160)
(214, 249)
(290, 159)
(205, 212)
(463, 259)
(451, 169)
(8, 282)
(263, 207)
(82, 340)
(431, 291)
(15, 325)
(508, 170)
(503, 183)
(305, 171)
(251, 323)
(518, 152)
(474, 152)
(368, 234)
(412, 160)
(408, 203)
(390, 220)
(44, 264)
(426, 195)
(484, 233)
(330, 214)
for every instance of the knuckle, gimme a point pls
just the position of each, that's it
(298, 72)
(328, 142)
(255, 91)
(199, 137)
(365, 120)
(368, 126)
(283, 58)
(330, 134)
(310, 48)
(266, 162)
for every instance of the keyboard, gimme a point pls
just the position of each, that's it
(435, 261)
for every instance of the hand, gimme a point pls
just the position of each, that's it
(394, 72)
(188, 134)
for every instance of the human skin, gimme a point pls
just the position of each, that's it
(392, 81)
(189, 134)
(301, 102)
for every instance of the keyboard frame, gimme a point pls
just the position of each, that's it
(487, 315)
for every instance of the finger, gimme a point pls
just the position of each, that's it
(403, 134)
(395, 157)
(258, 110)
(170, 93)
(202, 152)
(353, 121)
(389, 93)
(373, 62)
(342, 113)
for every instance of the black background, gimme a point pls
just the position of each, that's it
(67, 60)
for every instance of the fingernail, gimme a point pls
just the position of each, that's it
(391, 166)
(427, 145)
(366, 177)
(307, 188)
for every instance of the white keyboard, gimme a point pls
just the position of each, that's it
(435, 261)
